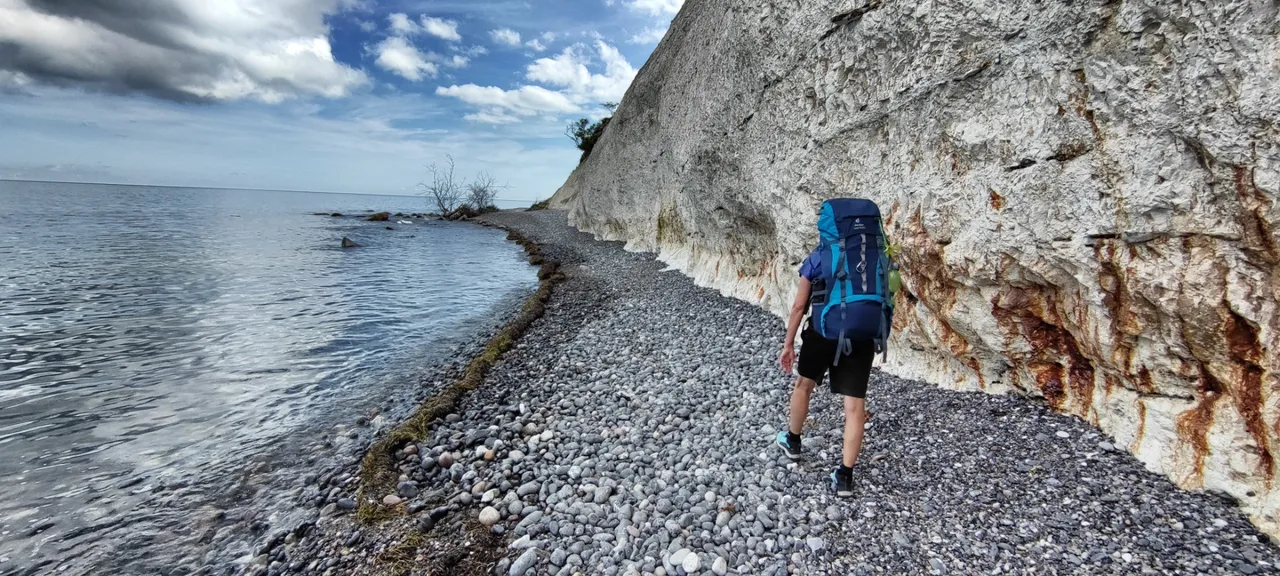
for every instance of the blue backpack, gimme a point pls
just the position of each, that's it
(852, 300)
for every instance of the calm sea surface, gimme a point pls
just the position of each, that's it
(158, 346)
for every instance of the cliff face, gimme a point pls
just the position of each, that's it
(1085, 193)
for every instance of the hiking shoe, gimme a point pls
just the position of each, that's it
(792, 452)
(843, 485)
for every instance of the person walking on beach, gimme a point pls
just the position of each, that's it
(847, 285)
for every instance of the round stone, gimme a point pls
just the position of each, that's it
(489, 516)
(391, 500)
(690, 563)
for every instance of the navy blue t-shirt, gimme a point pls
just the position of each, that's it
(811, 268)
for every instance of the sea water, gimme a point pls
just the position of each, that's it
(161, 346)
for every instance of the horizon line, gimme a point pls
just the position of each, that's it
(188, 187)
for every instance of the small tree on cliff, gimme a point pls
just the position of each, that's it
(585, 133)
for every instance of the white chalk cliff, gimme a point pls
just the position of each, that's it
(1084, 191)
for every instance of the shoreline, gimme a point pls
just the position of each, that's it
(376, 472)
(448, 378)
(621, 436)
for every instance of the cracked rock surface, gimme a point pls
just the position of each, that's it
(1085, 192)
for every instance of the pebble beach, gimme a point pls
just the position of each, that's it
(630, 431)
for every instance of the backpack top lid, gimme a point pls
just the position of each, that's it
(844, 217)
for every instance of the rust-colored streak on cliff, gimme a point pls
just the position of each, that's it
(1246, 353)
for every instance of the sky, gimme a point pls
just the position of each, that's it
(356, 96)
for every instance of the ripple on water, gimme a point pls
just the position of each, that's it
(157, 344)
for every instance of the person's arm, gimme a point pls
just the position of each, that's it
(793, 323)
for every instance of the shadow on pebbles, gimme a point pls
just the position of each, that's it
(630, 432)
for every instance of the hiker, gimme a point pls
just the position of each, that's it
(847, 285)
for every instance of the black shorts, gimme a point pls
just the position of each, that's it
(849, 377)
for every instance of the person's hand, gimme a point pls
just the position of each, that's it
(788, 358)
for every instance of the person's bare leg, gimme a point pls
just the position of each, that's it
(800, 403)
(854, 419)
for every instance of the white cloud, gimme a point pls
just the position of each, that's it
(457, 61)
(13, 79)
(649, 36)
(549, 36)
(656, 7)
(523, 101)
(506, 36)
(401, 25)
(440, 28)
(397, 55)
(367, 26)
(576, 87)
(569, 71)
(183, 50)
(492, 118)
(537, 45)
